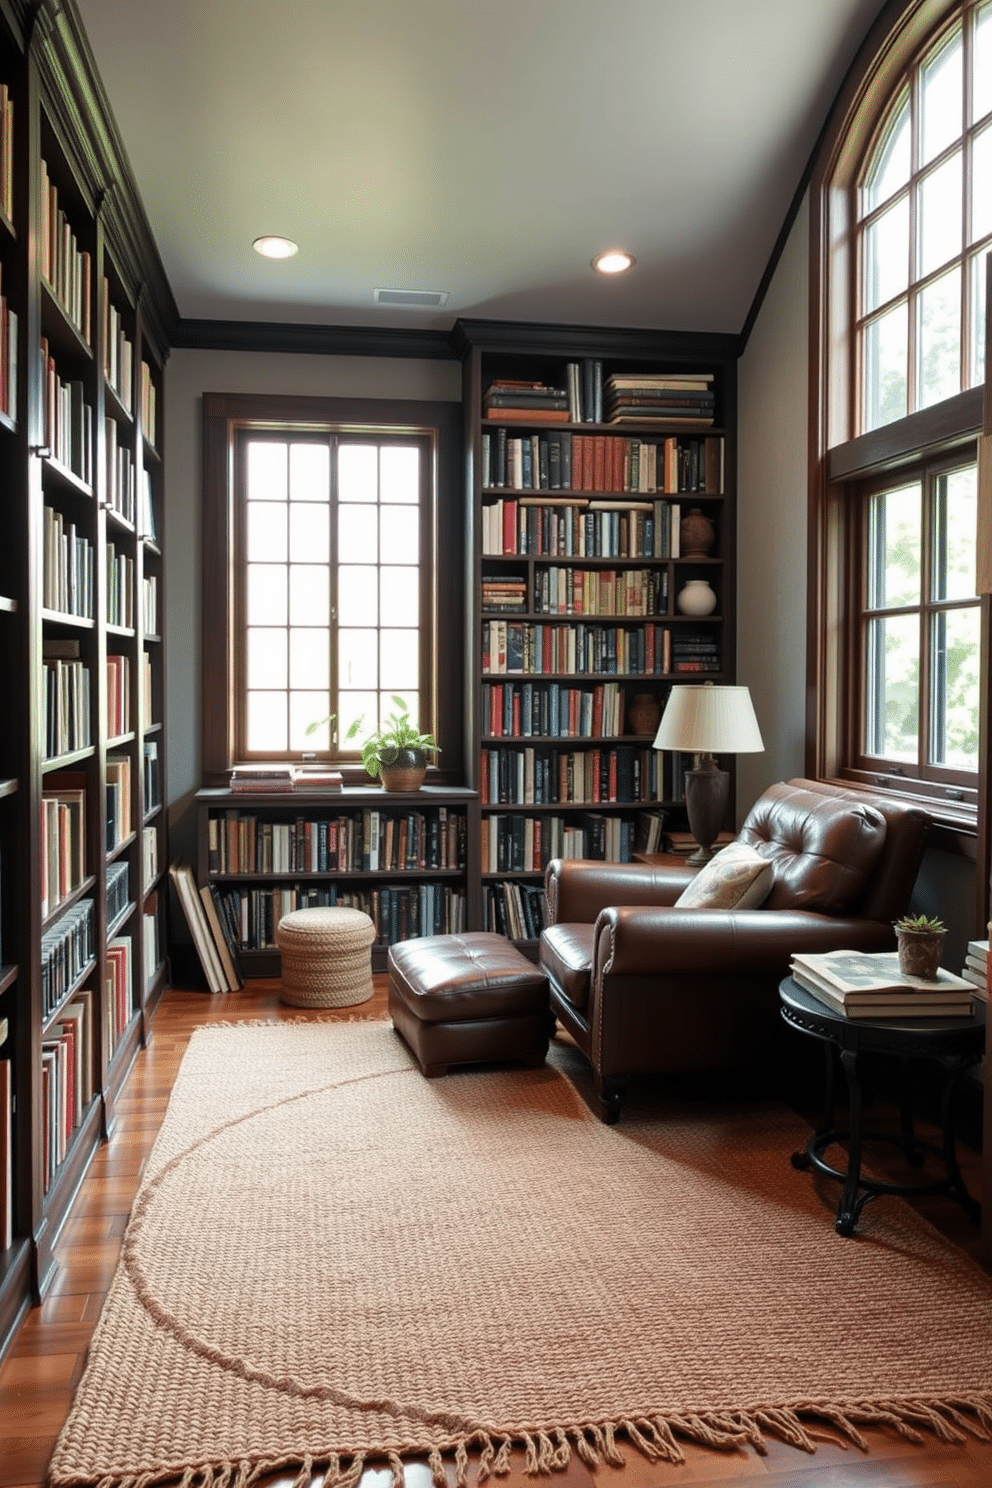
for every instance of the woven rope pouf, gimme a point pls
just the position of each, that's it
(326, 957)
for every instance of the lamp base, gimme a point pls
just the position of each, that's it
(707, 790)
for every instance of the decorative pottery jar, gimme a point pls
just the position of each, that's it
(405, 771)
(696, 598)
(643, 714)
(696, 534)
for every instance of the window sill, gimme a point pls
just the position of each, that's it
(955, 821)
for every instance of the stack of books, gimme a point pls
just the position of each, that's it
(975, 968)
(662, 399)
(865, 984)
(279, 779)
(532, 402)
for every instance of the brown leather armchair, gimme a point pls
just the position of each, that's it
(645, 987)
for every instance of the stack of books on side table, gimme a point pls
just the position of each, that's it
(865, 984)
(976, 968)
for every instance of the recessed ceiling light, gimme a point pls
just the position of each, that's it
(272, 247)
(613, 261)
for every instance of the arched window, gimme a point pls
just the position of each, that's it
(923, 225)
(901, 207)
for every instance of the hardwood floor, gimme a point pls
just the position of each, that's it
(40, 1370)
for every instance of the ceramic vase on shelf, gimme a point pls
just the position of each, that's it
(696, 598)
(643, 714)
(696, 534)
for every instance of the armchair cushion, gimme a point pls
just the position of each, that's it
(823, 850)
(567, 953)
(737, 878)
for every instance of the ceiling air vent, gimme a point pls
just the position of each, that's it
(420, 299)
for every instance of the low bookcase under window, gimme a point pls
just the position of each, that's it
(401, 858)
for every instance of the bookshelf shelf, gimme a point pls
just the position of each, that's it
(579, 498)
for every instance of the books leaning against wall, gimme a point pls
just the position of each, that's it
(975, 968)
(865, 984)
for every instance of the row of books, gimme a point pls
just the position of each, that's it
(562, 590)
(63, 840)
(66, 1080)
(67, 419)
(120, 588)
(118, 989)
(65, 266)
(118, 695)
(514, 909)
(118, 891)
(67, 704)
(864, 984)
(366, 840)
(67, 950)
(535, 776)
(148, 404)
(6, 151)
(660, 398)
(67, 577)
(118, 351)
(562, 461)
(8, 358)
(523, 710)
(121, 483)
(212, 932)
(149, 604)
(398, 912)
(526, 844)
(569, 649)
(541, 527)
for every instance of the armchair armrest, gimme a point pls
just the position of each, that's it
(576, 890)
(662, 942)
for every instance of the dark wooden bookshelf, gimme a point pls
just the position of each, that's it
(611, 520)
(68, 255)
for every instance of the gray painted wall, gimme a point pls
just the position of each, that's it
(773, 377)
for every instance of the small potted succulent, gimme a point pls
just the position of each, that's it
(396, 752)
(920, 942)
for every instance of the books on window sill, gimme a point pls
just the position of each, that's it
(865, 984)
(281, 779)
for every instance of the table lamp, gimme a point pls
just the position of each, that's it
(706, 721)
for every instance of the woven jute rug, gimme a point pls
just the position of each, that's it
(335, 1263)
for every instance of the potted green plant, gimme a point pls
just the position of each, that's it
(920, 942)
(396, 752)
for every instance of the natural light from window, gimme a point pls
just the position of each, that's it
(925, 228)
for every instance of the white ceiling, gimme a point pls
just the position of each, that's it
(487, 148)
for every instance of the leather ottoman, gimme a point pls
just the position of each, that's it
(468, 999)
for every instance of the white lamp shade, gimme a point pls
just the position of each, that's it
(709, 720)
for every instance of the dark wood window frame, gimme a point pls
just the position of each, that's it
(223, 415)
(840, 463)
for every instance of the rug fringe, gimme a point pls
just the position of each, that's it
(656, 1438)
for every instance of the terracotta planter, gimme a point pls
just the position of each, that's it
(919, 952)
(405, 770)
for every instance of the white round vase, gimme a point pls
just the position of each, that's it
(696, 598)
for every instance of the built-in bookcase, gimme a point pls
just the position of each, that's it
(402, 858)
(579, 553)
(83, 306)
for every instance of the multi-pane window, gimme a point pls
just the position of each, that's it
(921, 625)
(924, 215)
(332, 616)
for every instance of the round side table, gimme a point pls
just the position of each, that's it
(954, 1043)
